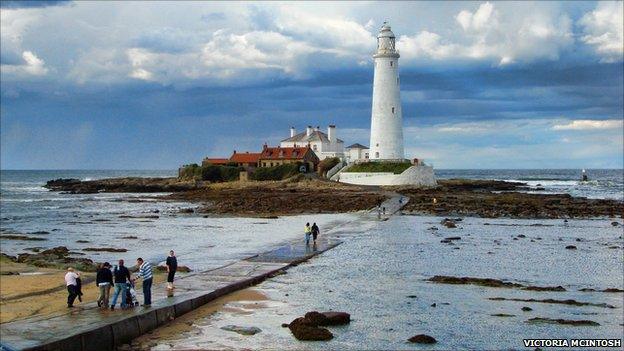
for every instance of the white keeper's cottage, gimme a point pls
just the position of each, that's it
(324, 145)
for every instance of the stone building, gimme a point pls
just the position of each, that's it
(323, 145)
(275, 156)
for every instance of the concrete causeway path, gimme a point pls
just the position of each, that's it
(89, 328)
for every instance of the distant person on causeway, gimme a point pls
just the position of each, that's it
(307, 231)
(315, 232)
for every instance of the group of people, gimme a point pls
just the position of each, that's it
(311, 232)
(122, 281)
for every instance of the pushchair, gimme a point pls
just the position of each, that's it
(131, 296)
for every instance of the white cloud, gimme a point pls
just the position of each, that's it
(15, 59)
(32, 66)
(585, 124)
(497, 34)
(604, 30)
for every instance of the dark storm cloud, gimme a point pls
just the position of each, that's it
(17, 4)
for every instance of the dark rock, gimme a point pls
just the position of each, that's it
(129, 237)
(337, 318)
(615, 224)
(303, 329)
(527, 309)
(521, 236)
(545, 288)
(612, 290)
(104, 249)
(422, 339)
(433, 304)
(242, 330)
(474, 281)
(502, 315)
(327, 318)
(21, 237)
(411, 296)
(553, 301)
(40, 232)
(570, 247)
(453, 238)
(284, 325)
(187, 210)
(563, 321)
(82, 241)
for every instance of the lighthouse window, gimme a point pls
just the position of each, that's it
(393, 110)
(376, 154)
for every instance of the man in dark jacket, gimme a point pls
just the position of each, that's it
(104, 281)
(122, 277)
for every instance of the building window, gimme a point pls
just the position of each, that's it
(391, 63)
(393, 110)
(376, 154)
(314, 147)
(366, 155)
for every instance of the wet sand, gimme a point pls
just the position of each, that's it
(41, 291)
(239, 302)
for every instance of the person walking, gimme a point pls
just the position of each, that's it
(308, 231)
(315, 232)
(172, 267)
(72, 286)
(104, 281)
(122, 277)
(145, 273)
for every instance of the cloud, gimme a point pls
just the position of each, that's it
(31, 66)
(494, 34)
(585, 124)
(604, 30)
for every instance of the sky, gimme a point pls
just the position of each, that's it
(154, 85)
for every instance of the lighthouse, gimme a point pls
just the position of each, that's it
(386, 142)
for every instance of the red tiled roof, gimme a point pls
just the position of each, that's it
(216, 161)
(245, 157)
(280, 153)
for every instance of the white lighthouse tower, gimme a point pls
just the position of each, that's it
(386, 142)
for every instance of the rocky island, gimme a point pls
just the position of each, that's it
(301, 194)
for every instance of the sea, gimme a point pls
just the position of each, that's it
(378, 274)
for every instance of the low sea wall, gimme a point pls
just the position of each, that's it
(422, 176)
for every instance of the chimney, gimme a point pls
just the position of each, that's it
(331, 132)
(317, 128)
(292, 132)
(235, 151)
(309, 131)
(264, 147)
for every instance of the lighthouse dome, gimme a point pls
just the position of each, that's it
(385, 31)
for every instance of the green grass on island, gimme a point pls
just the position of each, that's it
(374, 167)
